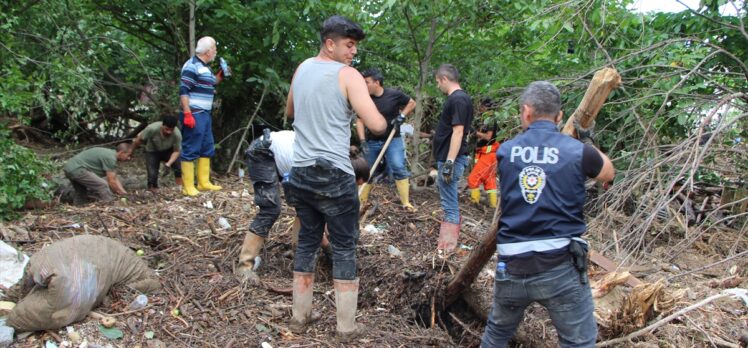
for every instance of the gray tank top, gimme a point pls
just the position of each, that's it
(322, 116)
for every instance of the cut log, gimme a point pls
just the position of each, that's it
(603, 82)
(611, 266)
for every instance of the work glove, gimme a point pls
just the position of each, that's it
(447, 170)
(364, 147)
(189, 121)
(585, 135)
(397, 121)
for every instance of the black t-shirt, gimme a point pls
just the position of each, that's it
(592, 162)
(457, 110)
(389, 104)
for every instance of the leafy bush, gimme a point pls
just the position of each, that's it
(22, 174)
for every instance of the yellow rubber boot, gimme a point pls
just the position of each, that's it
(188, 178)
(475, 195)
(203, 175)
(364, 196)
(403, 190)
(492, 200)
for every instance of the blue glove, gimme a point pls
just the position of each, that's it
(447, 170)
(365, 147)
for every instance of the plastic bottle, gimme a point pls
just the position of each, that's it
(139, 302)
(224, 67)
(286, 177)
(501, 270)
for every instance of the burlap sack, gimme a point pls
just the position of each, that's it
(69, 278)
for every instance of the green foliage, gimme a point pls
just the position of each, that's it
(88, 62)
(23, 175)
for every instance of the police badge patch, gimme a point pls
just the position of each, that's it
(531, 182)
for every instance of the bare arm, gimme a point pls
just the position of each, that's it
(456, 141)
(138, 140)
(114, 184)
(354, 87)
(184, 101)
(608, 172)
(409, 107)
(289, 99)
(360, 131)
(484, 135)
(172, 158)
(289, 103)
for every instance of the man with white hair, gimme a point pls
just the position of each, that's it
(196, 90)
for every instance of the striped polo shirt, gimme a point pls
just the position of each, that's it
(198, 82)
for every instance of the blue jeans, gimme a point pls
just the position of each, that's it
(323, 194)
(395, 156)
(448, 192)
(197, 141)
(559, 290)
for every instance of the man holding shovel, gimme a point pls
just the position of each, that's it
(394, 105)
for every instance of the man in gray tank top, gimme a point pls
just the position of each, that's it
(324, 93)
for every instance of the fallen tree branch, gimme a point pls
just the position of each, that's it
(663, 321)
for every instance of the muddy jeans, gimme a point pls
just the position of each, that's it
(153, 162)
(264, 176)
(559, 290)
(323, 194)
(88, 186)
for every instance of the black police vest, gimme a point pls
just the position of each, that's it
(542, 191)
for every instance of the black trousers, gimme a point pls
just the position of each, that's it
(325, 195)
(264, 176)
(153, 162)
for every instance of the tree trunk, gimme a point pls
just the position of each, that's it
(192, 27)
(423, 68)
(603, 82)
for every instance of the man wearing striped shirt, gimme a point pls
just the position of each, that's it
(196, 90)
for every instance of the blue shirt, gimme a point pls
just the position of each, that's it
(198, 83)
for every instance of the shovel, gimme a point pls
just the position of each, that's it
(379, 158)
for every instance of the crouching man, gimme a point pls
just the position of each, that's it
(87, 170)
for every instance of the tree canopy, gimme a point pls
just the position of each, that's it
(91, 70)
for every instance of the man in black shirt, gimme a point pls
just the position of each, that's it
(394, 105)
(450, 150)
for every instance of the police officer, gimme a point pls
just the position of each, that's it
(542, 175)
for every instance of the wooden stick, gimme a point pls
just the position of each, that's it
(379, 158)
